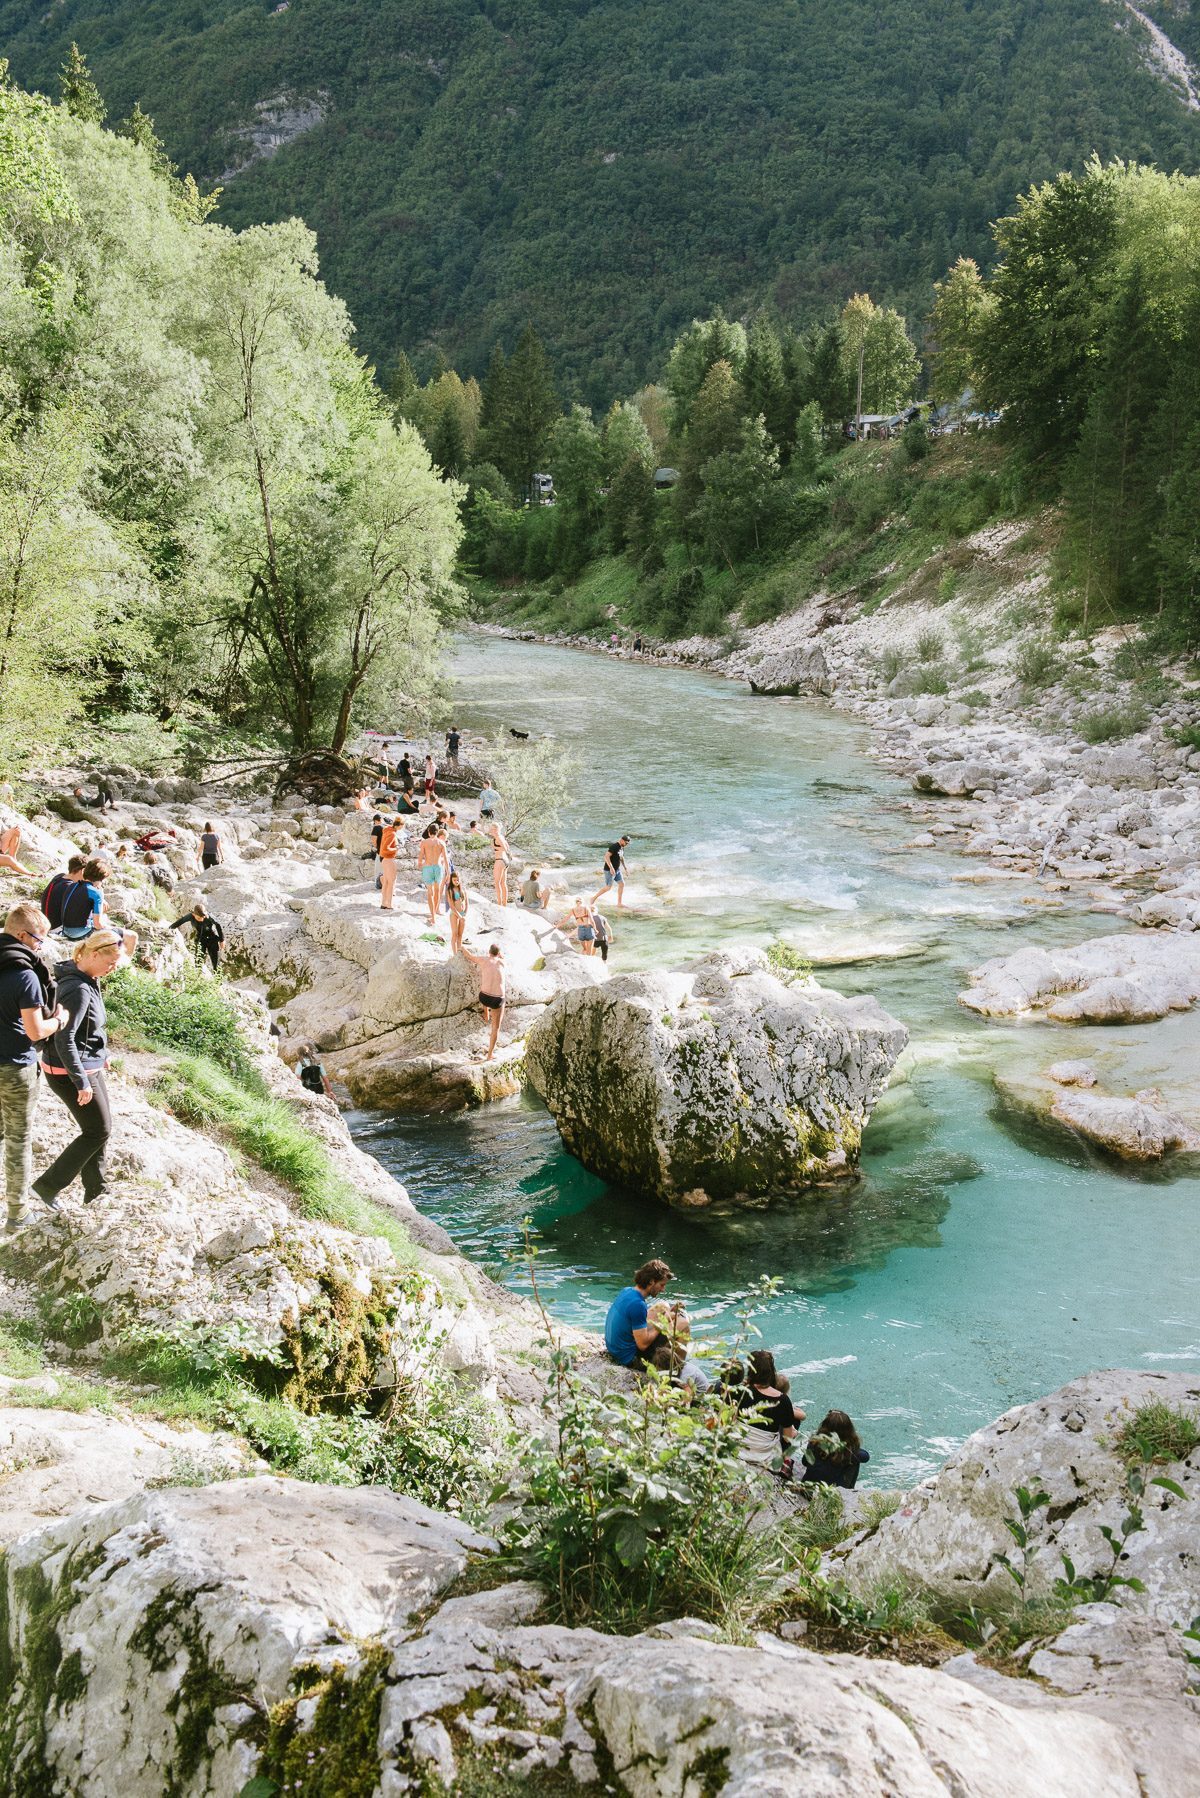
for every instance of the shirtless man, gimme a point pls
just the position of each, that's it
(491, 992)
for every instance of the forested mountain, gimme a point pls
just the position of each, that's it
(611, 168)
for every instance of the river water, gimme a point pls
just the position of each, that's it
(977, 1263)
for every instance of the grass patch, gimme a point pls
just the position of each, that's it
(930, 680)
(266, 1130)
(787, 963)
(1111, 723)
(191, 1015)
(21, 1354)
(1157, 1433)
(930, 645)
(1037, 663)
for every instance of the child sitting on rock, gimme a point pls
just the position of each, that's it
(676, 1326)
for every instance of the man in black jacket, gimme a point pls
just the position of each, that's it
(208, 935)
(74, 1063)
(29, 1013)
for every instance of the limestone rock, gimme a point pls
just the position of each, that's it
(802, 669)
(955, 780)
(1130, 1128)
(140, 1633)
(1111, 979)
(715, 1081)
(55, 1463)
(950, 1535)
(1072, 1073)
(395, 1016)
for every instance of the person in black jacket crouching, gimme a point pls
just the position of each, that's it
(74, 1061)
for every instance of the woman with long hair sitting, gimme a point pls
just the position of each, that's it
(833, 1456)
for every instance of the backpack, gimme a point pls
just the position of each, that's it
(52, 899)
(310, 1078)
(78, 904)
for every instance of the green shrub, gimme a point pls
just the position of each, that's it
(640, 1509)
(930, 645)
(930, 680)
(190, 1013)
(975, 698)
(1157, 1432)
(1188, 736)
(786, 962)
(21, 1353)
(1111, 723)
(1037, 662)
(891, 661)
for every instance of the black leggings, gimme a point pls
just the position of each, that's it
(84, 1154)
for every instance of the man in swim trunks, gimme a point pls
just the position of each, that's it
(491, 992)
(614, 871)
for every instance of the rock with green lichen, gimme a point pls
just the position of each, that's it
(143, 1644)
(717, 1081)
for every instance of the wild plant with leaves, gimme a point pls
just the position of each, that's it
(636, 1505)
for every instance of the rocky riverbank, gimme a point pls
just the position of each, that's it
(165, 1626)
(1071, 760)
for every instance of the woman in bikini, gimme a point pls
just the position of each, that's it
(585, 926)
(501, 858)
(459, 906)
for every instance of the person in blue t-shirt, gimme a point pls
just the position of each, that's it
(629, 1336)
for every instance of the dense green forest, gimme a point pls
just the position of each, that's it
(611, 170)
(1082, 345)
(209, 521)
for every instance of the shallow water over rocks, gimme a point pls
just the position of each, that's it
(980, 1261)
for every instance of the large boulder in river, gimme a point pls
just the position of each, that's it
(950, 1536)
(792, 671)
(715, 1081)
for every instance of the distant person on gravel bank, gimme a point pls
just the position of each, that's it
(629, 1336)
(75, 1062)
(211, 853)
(29, 1014)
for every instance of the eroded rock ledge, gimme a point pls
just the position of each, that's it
(191, 1641)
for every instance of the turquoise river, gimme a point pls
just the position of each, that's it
(977, 1262)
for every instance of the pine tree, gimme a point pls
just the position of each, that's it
(765, 382)
(402, 384)
(449, 448)
(960, 308)
(139, 129)
(80, 95)
(524, 406)
(493, 411)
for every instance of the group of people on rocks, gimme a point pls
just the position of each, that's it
(443, 887)
(645, 1333)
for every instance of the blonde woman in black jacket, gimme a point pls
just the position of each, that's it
(74, 1061)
